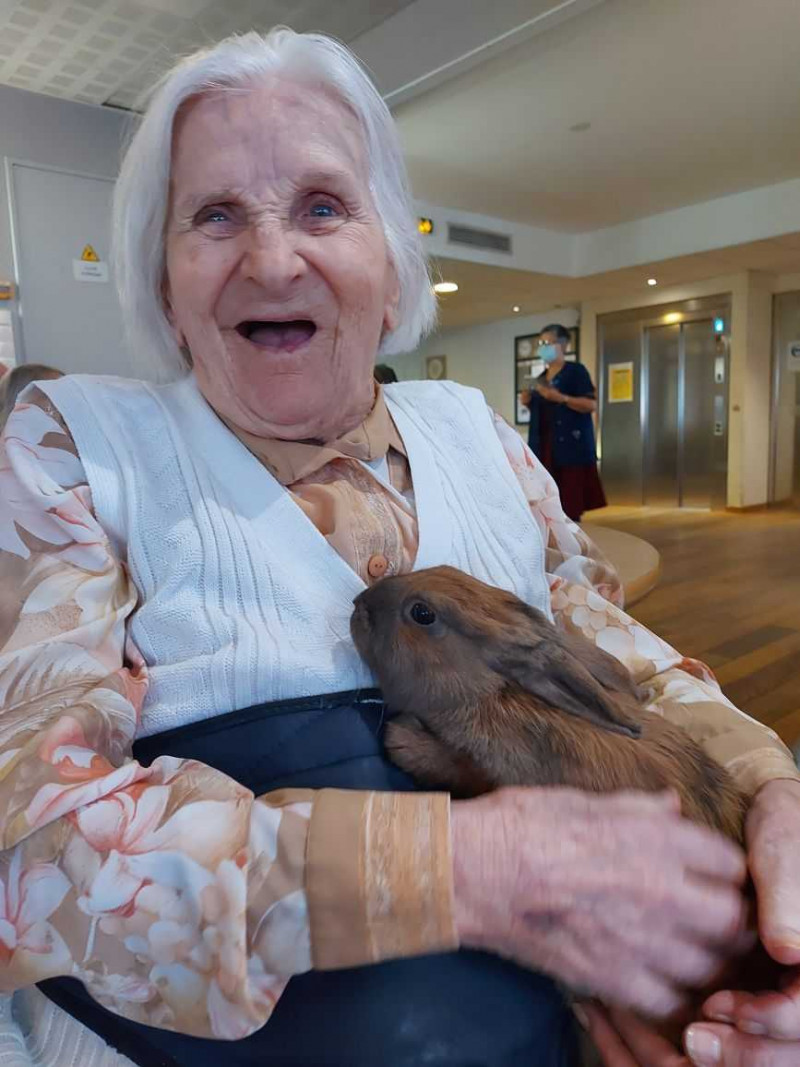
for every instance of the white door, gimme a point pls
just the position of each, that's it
(67, 316)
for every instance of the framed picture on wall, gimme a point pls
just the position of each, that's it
(528, 366)
(436, 368)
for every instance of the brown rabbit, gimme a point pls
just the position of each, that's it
(490, 693)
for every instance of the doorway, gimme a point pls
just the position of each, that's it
(664, 403)
(67, 314)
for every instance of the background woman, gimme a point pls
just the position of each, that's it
(561, 431)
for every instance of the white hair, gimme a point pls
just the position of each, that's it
(141, 198)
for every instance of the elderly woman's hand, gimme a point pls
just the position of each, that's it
(615, 895)
(748, 1030)
(764, 1030)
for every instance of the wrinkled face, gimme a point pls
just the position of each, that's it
(277, 275)
(428, 644)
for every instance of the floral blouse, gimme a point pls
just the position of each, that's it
(175, 895)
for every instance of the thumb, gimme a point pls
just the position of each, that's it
(715, 1045)
(775, 868)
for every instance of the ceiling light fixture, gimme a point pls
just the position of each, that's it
(445, 287)
(652, 281)
(515, 309)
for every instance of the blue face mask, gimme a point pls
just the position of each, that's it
(548, 353)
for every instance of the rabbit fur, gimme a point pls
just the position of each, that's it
(489, 693)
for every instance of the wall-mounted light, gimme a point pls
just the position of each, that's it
(445, 287)
(515, 309)
(672, 317)
(652, 281)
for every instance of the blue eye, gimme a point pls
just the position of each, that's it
(322, 211)
(215, 215)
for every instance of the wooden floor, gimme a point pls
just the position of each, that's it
(729, 595)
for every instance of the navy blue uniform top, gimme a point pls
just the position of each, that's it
(572, 431)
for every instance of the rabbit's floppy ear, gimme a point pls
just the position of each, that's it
(604, 668)
(572, 675)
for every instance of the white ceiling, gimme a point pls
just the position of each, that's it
(109, 51)
(687, 99)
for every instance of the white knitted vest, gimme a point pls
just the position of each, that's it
(241, 598)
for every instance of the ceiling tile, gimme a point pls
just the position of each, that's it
(49, 46)
(64, 31)
(114, 27)
(78, 15)
(23, 18)
(114, 50)
(13, 35)
(39, 57)
(87, 58)
(135, 53)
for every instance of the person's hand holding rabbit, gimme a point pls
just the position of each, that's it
(737, 1029)
(615, 895)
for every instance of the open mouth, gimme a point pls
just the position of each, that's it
(277, 336)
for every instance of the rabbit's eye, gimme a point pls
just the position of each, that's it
(422, 614)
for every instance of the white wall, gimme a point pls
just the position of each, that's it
(57, 133)
(482, 356)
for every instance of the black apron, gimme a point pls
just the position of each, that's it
(460, 1009)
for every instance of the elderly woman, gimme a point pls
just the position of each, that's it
(199, 825)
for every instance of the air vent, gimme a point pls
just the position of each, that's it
(466, 235)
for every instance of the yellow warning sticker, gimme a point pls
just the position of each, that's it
(88, 255)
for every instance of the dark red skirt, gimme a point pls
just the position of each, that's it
(580, 489)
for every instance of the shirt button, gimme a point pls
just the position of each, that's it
(378, 566)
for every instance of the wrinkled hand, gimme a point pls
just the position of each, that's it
(764, 1030)
(615, 895)
(751, 1030)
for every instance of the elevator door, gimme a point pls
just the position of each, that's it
(661, 437)
(685, 435)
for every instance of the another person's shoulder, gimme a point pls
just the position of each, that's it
(578, 376)
(578, 371)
